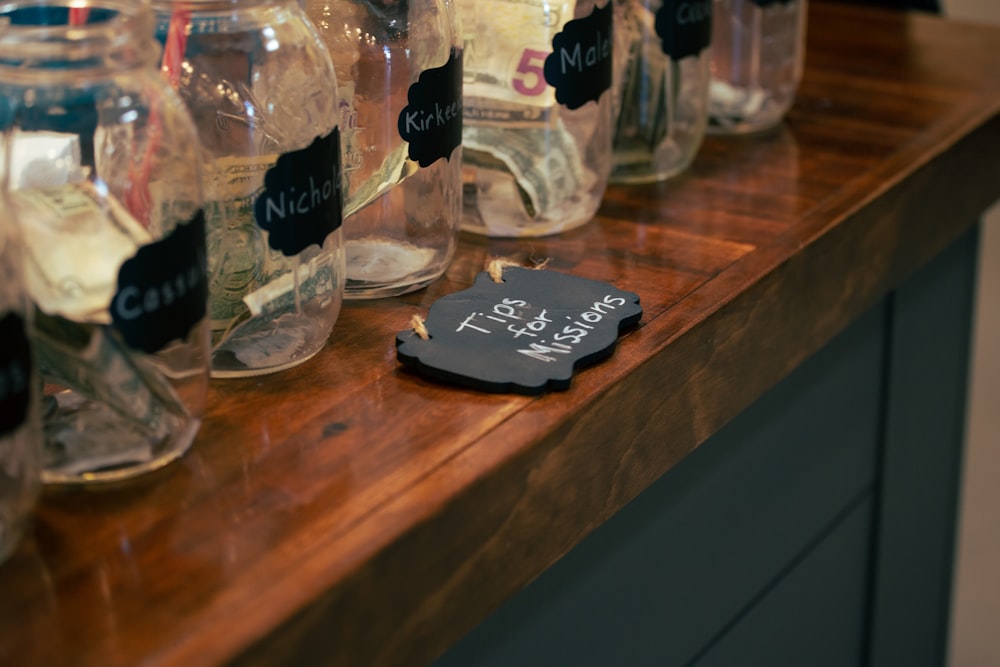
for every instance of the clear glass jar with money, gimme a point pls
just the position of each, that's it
(662, 59)
(758, 51)
(261, 88)
(20, 425)
(104, 173)
(399, 69)
(537, 125)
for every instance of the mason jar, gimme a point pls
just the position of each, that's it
(399, 72)
(757, 58)
(104, 173)
(261, 89)
(20, 425)
(537, 114)
(662, 59)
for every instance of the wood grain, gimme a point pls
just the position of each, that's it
(349, 512)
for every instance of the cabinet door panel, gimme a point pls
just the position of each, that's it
(816, 615)
(656, 583)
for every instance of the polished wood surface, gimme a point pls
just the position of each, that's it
(349, 512)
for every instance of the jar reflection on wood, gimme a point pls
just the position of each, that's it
(20, 425)
(758, 55)
(662, 59)
(104, 174)
(262, 91)
(537, 127)
(399, 68)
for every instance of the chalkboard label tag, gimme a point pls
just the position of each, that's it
(526, 334)
(685, 27)
(301, 202)
(15, 373)
(579, 67)
(432, 121)
(163, 288)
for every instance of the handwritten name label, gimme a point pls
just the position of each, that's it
(579, 67)
(527, 334)
(684, 26)
(163, 289)
(432, 121)
(301, 202)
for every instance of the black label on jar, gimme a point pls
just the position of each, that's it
(432, 119)
(579, 67)
(163, 289)
(685, 27)
(15, 373)
(301, 202)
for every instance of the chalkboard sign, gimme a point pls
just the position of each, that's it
(526, 334)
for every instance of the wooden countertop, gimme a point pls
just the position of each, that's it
(350, 512)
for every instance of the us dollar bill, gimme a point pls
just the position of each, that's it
(546, 180)
(646, 81)
(510, 111)
(75, 242)
(394, 169)
(236, 267)
(293, 287)
(104, 374)
(237, 247)
(512, 39)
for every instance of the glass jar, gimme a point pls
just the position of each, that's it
(662, 60)
(537, 125)
(262, 91)
(20, 425)
(104, 173)
(757, 58)
(399, 68)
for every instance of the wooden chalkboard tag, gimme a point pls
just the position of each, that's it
(526, 334)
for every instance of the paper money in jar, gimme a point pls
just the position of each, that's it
(661, 86)
(104, 176)
(262, 92)
(537, 100)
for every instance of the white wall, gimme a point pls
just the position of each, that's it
(984, 11)
(975, 632)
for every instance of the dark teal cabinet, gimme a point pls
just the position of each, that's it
(815, 529)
